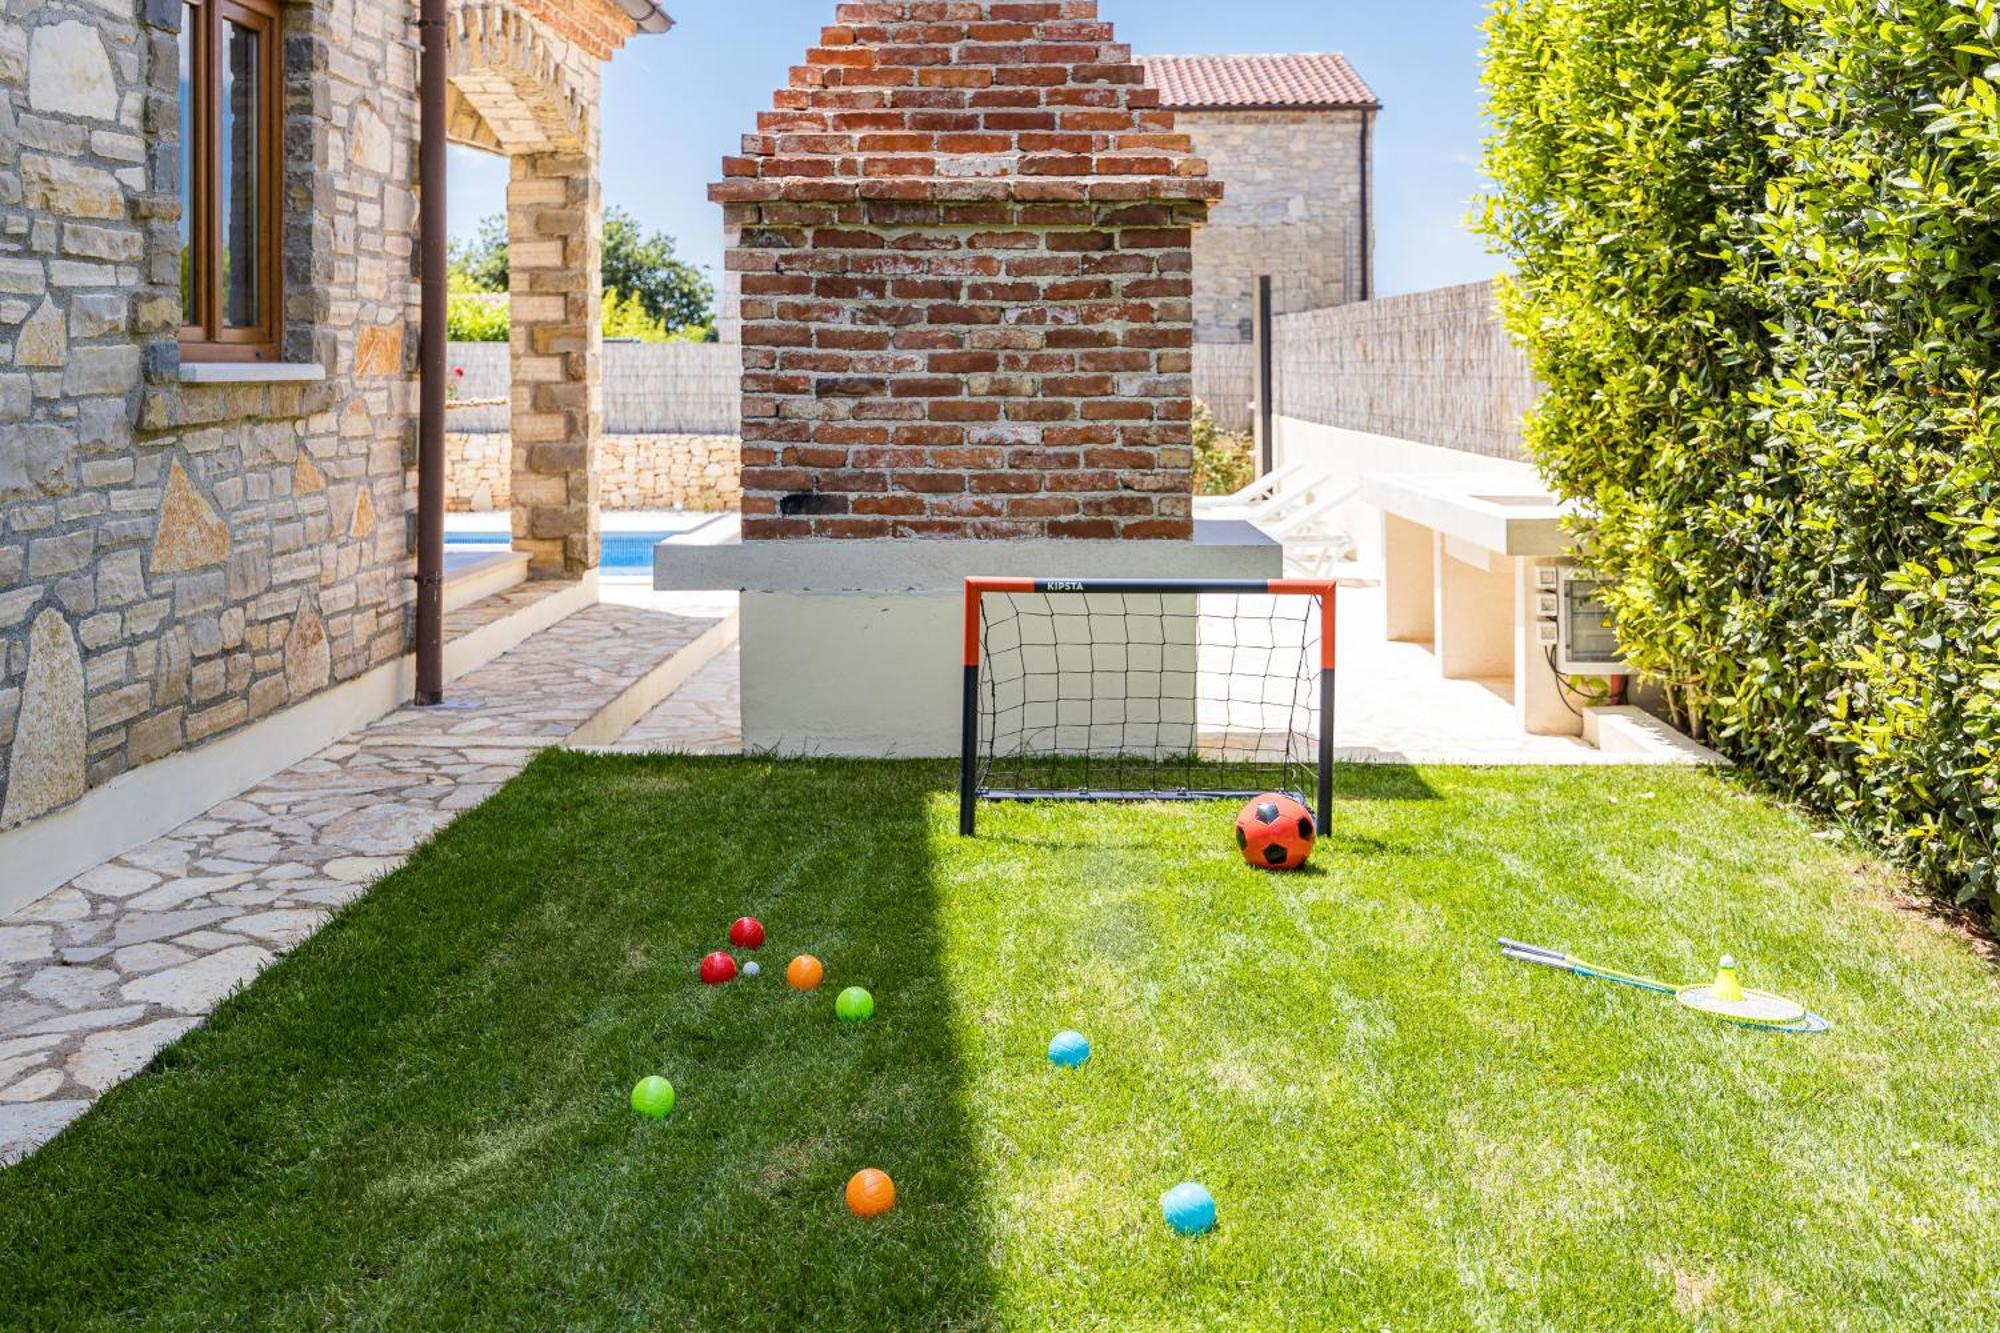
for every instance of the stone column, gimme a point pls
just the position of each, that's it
(555, 228)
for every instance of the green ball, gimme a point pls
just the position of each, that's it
(855, 1005)
(653, 1097)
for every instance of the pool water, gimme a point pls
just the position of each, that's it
(624, 552)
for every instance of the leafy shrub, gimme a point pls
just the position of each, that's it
(477, 317)
(1757, 271)
(1223, 462)
(482, 317)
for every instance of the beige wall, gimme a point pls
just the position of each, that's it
(1292, 209)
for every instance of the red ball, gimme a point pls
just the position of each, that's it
(717, 968)
(747, 933)
(1275, 832)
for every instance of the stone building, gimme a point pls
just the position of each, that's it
(1290, 137)
(208, 342)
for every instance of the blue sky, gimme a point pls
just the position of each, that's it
(675, 105)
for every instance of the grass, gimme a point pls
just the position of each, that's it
(418, 1120)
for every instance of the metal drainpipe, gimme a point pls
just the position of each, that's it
(1367, 218)
(432, 236)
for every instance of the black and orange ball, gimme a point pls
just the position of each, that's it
(1275, 832)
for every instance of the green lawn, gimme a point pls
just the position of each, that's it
(419, 1119)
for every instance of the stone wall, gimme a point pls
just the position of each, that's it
(179, 559)
(698, 472)
(1293, 209)
(1436, 367)
(963, 232)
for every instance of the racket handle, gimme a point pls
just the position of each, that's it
(1516, 947)
(1539, 959)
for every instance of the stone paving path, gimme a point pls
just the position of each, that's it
(96, 977)
(704, 716)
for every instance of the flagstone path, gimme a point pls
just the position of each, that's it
(99, 975)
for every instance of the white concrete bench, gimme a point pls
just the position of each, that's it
(1460, 555)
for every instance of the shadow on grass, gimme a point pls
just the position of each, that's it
(1381, 782)
(1352, 783)
(420, 1118)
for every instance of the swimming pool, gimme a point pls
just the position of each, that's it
(624, 552)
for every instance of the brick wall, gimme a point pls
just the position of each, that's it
(963, 235)
(1293, 210)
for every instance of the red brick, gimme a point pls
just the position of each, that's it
(963, 237)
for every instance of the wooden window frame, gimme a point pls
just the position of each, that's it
(204, 336)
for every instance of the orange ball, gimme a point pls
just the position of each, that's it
(805, 973)
(871, 1193)
(1275, 832)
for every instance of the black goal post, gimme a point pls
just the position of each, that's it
(1147, 690)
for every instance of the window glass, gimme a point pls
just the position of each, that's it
(242, 171)
(190, 17)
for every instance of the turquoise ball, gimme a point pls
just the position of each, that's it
(1189, 1209)
(1069, 1049)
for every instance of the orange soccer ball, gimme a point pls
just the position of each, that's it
(805, 973)
(1275, 832)
(871, 1193)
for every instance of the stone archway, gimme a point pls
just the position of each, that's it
(510, 88)
(519, 90)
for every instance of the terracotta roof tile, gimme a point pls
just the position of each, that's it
(1272, 82)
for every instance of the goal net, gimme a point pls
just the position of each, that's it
(1146, 690)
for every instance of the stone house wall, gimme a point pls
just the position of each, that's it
(697, 472)
(180, 559)
(1293, 209)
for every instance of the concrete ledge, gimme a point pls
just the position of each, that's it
(1632, 734)
(655, 687)
(857, 648)
(1227, 548)
(154, 799)
(1505, 515)
(476, 578)
(251, 372)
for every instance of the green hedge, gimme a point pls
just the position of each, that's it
(478, 317)
(1758, 254)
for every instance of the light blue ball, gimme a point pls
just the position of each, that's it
(1189, 1209)
(1069, 1049)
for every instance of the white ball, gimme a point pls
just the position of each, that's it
(751, 969)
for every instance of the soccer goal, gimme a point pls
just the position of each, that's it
(1147, 690)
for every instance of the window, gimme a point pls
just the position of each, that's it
(231, 103)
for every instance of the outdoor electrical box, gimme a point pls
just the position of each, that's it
(1586, 644)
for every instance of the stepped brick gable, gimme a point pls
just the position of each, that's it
(963, 238)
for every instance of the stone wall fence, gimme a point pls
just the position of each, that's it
(671, 423)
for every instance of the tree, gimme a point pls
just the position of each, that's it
(673, 292)
(637, 267)
(480, 264)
